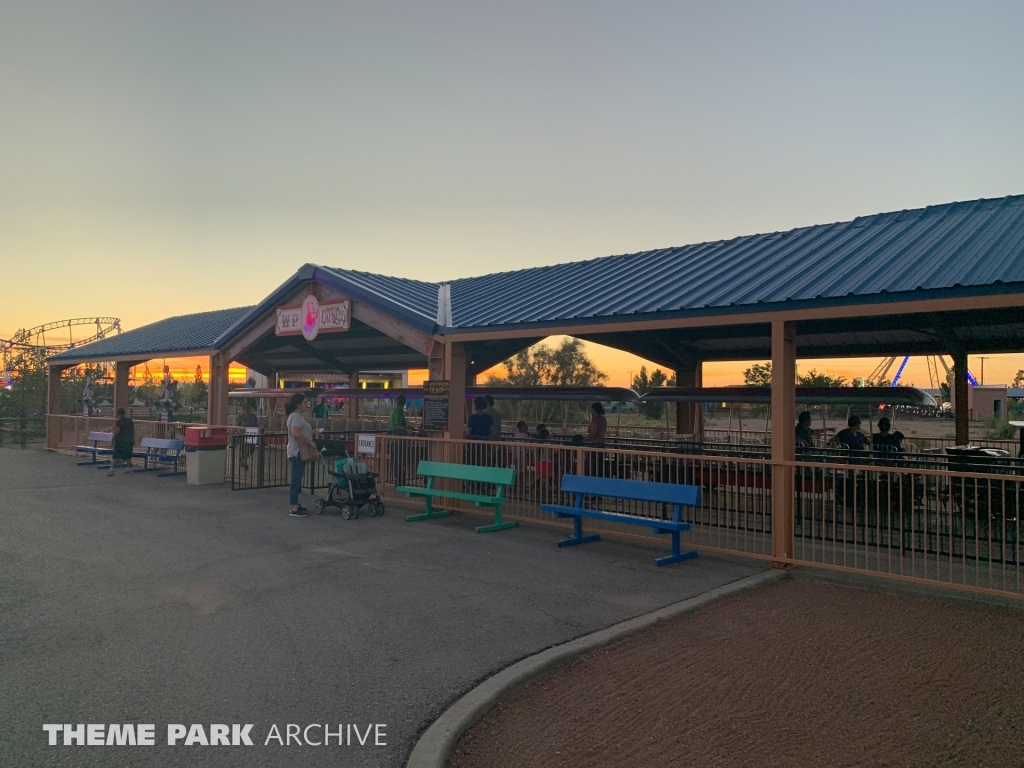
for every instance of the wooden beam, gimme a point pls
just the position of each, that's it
(381, 321)
(353, 402)
(961, 398)
(53, 388)
(690, 416)
(323, 357)
(252, 335)
(783, 438)
(122, 369)
(217, 391)
(455, 372)
(590, 329)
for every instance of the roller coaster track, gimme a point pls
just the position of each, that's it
(35, 339)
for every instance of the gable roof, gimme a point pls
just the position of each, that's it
(176, 336)
(957, 248)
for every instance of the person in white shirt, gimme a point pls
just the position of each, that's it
(300, 434)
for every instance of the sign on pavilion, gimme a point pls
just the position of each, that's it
(311, 318)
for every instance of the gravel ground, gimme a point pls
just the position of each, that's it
(799, 673)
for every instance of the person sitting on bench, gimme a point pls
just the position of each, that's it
(852, 438)
(884, 440)
(123, 442)
(804, 433)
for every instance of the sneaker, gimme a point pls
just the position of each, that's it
(300, 512)
(110, 473)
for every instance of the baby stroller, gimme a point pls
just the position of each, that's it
(351, 488)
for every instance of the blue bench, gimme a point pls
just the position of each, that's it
(96, 438)
(678, 496)
(154, 451)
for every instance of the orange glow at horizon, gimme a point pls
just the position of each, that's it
(621, 366)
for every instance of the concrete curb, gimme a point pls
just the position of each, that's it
(434, 746)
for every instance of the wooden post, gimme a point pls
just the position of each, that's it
(783, 437)
(690, 416)
(53, 373)
(122, 369)
(961, 398)
(353, 403)
(217, 392)
(455, 372)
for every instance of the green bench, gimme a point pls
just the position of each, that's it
(500, 477)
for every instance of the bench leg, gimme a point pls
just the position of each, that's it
(498, 525)
(577, 535)
(676, 555)
(428, 513)
(172, 473)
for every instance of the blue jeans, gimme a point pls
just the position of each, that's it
(298, 470)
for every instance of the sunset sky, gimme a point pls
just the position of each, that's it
(167, 158)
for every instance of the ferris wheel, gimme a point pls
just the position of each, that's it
(60, 336)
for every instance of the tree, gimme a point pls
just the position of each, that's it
(643, 384)
(27, 393)
(567, 365)
(758, 375)
(199, 389)
(814, 379)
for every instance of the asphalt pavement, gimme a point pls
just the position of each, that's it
(142, 600)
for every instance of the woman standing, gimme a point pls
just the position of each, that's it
(300, 435)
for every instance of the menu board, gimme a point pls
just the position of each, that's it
(435, 405)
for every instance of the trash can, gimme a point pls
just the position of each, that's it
(207, 449)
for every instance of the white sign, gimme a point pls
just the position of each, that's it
(311, 318)
(366, 443)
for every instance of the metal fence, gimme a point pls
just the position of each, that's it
(933, 519)
(22, 431)
(261, 460)
(65, 432)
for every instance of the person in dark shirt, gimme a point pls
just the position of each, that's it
(804, 433)
(884, 440)
(247, 418)
(124, 442)
(851, 437)
(478, 427)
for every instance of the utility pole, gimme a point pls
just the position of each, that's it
(983, 359)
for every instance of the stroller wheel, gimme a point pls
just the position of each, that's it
(378, 509)
(346, 512)
(320, 506)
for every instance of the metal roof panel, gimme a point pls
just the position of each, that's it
(179, 335)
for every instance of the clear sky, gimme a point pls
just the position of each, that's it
(163, 158)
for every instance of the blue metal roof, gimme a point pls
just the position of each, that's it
(957, 248)
(182, 335)
(413, 300)
(944, 250)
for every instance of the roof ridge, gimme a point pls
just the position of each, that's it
(389, 277)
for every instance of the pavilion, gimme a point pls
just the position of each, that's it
(946, 279)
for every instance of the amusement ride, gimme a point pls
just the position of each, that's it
(52, 338)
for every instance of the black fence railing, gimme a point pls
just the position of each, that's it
(261, 460)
